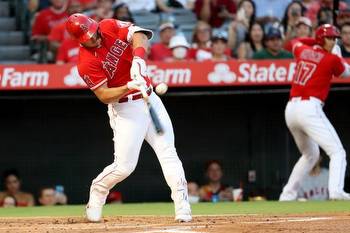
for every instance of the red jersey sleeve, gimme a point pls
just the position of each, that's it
(92, 74)
(338, 66)
(124, 30)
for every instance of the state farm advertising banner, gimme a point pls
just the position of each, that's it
(175, 74)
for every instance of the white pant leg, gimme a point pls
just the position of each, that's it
(129, 122)
(164, 148)
(307, 147)
(319, 128)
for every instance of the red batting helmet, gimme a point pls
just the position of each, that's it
(325, 30)
(81, 27)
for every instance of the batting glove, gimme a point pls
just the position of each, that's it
(136, 84)
(138, 69)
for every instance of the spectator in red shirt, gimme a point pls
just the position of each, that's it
(315, 6)
(68, 52)
(49, 17)
(215, 12)
(59, 32)
(161, 51)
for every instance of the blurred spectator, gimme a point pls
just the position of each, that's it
(215, 12)
(345, 38)
(48, 196)
(35, 5)
(303, 29)
(103, 10)
(12, 184)
(324, 16)
(271, 8)
(59, 33)
(122, 12)
(219, 46)
(68, 52)
(9, 201)
(47, 18)
(291, 17)
(138, 5)
(114, 197)
(253, 42)
(315, 6)
(179, 47)
(200, 48)
(171, 5)
(273, 46)
(160, 51)
(193, 192)
(315, 184)
(214, 190)
(238, 29)
(88, 4)
(343, 17)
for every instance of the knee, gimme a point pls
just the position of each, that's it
(124, 170)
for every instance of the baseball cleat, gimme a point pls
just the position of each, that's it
(183, 212)
(93, 214)
(287, 196)
(342, 196)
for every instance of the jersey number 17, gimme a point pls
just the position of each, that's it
(304, 72)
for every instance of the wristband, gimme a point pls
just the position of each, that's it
(140, 52)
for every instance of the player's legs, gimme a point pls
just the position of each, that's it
(129, 122)
(171, 165)
(321, 130)
(307, 147)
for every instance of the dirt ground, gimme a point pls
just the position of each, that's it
(155, 224)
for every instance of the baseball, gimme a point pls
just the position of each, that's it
(161, 88)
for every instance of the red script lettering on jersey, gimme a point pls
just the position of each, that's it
(112, 57)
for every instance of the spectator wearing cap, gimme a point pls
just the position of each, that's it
(160, 51)
(303, 29)
(273, 46)
(345, 38)
(215, 12)
(219, 46)
(179, 47)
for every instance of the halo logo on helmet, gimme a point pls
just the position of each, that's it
(325, 30)
(81, 27)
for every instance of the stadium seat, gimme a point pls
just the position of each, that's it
(146, 19)
(179, 17)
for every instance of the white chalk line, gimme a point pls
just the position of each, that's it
(291, 219)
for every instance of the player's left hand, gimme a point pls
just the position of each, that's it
(138, 69)
(136, 84)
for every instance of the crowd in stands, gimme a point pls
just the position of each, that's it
(224, 29)
(14, 196)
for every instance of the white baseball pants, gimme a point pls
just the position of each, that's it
(131, 124)
(311, 128)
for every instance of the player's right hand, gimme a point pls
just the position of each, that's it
(136, 84)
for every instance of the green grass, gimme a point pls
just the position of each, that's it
(268, 207)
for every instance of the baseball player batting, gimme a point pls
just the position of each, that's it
(111, 62)
(317, 62)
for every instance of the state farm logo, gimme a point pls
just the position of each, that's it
(73, 78)
(170, 76)
(12, 78)
(222, 73)
(252, 73)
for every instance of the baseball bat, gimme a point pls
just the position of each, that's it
(155, 119)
